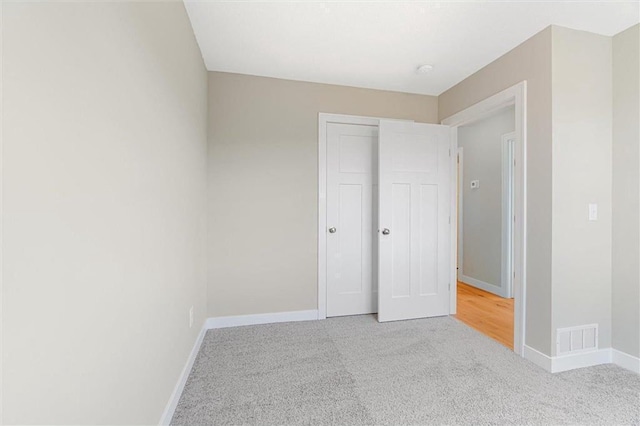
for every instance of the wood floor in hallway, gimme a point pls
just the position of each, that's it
(491, 315)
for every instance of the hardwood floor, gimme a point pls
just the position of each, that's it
(489, 314)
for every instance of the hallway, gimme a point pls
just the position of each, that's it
(487, 313)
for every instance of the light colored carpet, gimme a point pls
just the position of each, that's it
(355, 371)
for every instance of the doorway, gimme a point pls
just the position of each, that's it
(490, 272)
(485, 216)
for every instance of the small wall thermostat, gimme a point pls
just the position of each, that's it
(475, 184)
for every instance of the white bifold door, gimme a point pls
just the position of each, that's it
(414, 220)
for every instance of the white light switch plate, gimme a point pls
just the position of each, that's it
(593, 212)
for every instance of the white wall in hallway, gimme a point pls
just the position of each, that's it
(482, 206)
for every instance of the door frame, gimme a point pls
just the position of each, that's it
(459, 217)
(515, 95)
(324, 119)
(508, 142)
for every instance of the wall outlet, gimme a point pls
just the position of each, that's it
(593, 212)
(475, 184)
(191, 317)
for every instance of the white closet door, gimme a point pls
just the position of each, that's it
(414, 214)
(352, 155)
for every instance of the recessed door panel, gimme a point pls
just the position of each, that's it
(356, 154)
(401, 251)
(350, 239)
(429, 240)
(411, 154)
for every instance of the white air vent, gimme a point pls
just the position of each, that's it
(583, 338)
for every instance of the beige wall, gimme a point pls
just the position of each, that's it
(582, 169)
(482, 206)
(626, 192)
(104, 175)
(569, 155)
(531, 61)
(263, 166)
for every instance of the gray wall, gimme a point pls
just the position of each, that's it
(582, 170)
(626, 191)
(263, 180)
(530, 61)
(482, 207)
(104, 179)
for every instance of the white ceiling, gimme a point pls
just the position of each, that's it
(380, 44)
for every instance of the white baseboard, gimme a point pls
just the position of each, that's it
(580, 360)
(625, 360)
(491, 288)
(558, 364)
(182, 379)
(537, 357)
(239, 320)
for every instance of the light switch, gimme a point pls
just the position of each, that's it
(593, 212)
(475, 184)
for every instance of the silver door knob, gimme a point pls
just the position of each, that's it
(386, 231)
(332, 230)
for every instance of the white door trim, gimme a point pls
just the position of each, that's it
(508, 158)
(459, 228)
(323, 120)
(517, 96)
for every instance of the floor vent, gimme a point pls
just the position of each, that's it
(571, 340)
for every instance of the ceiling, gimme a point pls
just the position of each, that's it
(380, 44)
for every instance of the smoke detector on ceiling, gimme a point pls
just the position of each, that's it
(423, 69)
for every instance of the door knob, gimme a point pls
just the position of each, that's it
(386, 231)
(332, 230)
